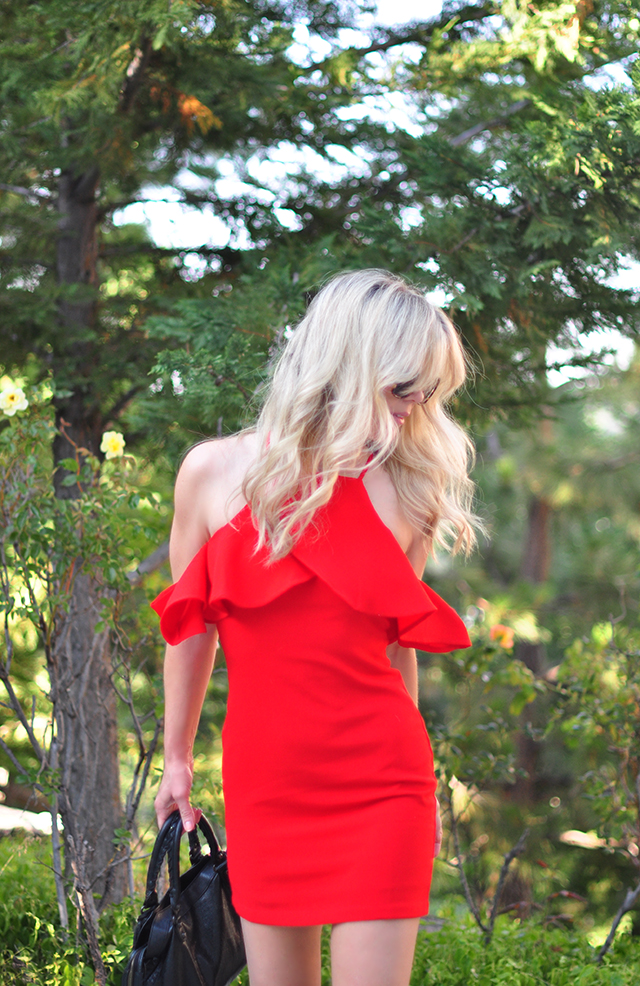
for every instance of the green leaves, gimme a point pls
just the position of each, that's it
(475, 743)
(599, 685)
(521, 954)
(44, 539)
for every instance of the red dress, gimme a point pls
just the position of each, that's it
(327, 767)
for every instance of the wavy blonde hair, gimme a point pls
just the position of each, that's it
(365, 331)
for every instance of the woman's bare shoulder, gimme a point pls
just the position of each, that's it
(384, 498)
(386, 502)
(214, 459)
(210, 479)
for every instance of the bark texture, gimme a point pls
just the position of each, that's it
(75, 357)
(85, 702)
(87, 739)
(536, 558)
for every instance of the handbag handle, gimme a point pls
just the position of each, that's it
(162, 845)
(168, 844)
(195, 853)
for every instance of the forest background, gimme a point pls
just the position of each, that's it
(488, 151)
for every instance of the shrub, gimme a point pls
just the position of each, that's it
(519, 955)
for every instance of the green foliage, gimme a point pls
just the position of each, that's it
(474, 744)
(599, 687)
(484, 705)
(109, 528)
(44, 543)
(34, 950)
(520, 954)
(581, 463)
(110, 99)
(515, 191)
(111, 520)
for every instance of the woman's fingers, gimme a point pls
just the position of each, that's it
(190, 816)
(174, 792)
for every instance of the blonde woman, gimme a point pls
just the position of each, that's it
(301, 543)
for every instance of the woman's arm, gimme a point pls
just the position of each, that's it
(417, 555)
(187, 666)
(404, 659)
(187, 669)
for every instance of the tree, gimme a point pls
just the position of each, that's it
(515, 192)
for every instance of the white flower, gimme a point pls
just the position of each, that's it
(112, 444)
(12, 399)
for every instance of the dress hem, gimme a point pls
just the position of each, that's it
(339, 917)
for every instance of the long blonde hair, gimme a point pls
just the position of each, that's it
(365, 331)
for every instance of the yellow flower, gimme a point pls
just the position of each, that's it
(12, 399)
(503, 636)
(112, 444)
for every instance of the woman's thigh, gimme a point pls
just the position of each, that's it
(373, 953)
(278, 956)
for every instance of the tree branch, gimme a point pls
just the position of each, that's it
(471, 904)
(189, 197)
(123, 251)
(27, 193)
(19, 712)
(517, 850)
(421, 31)
(87, 907)
(619, 463)
(12, 757)
(122, 402)
(463, 241)
(135, 74)
(627, 905)
(149, 564)
(489, 124)
(56, 846)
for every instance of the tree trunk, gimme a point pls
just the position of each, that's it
(80, 661)
(87, 736)
(536, 558)
(77, 412)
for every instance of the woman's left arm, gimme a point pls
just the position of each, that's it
(404, 659)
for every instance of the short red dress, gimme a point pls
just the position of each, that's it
(327, 768)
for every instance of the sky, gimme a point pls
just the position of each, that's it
(399, 11)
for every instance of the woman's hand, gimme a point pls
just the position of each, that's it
(174, 792)
(438, 843)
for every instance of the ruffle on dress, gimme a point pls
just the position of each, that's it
(347, 546)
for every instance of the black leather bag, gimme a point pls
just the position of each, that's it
(192, 937)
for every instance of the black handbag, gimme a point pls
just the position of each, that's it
(192, 937)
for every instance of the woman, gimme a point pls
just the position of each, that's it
(302, 543)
